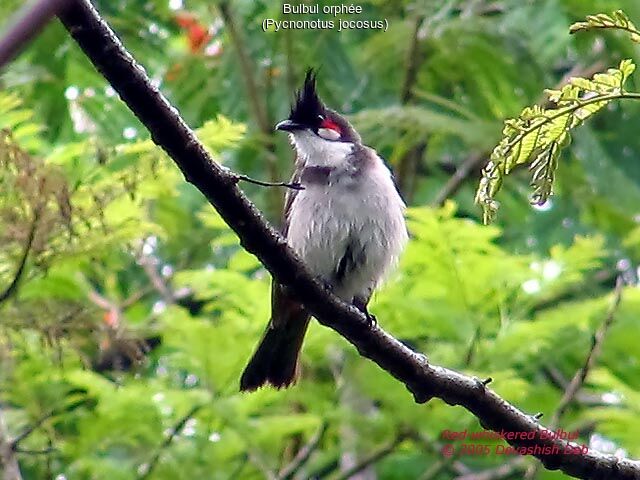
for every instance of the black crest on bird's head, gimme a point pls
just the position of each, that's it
(308, 112)
(308, 106)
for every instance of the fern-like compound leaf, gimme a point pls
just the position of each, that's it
(538, 135)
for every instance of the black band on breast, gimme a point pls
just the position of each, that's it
(316, 174)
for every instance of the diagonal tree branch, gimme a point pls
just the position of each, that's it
(8, 461)
(32, 428)
(146, 469)
(31, 19)
(506, 470)
(301, 458)
(219, 186)
(12, 288)
(580, 376)
(374, 457)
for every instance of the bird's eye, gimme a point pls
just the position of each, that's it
(321, 118)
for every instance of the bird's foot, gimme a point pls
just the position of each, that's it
(372, 321)
(325, 284)
(361, 305)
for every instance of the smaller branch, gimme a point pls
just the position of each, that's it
(505, 470)
(13, 286)
(557, 379)
(148, 264)
(303, 454)
(256, 98)
(413, 62)
(8, 462)
(247, 68)
(235, 473)
(375, 457)
(45, 451)
(409, 161)
(432, 447)
(580, 376)
(601, 279)
(100, 301)
(147, 468)
(457, 179)
(135, 297)
(261, 465)
(293, 186)
(31, 428)
(15, 443)
(30, 21)
(596, 347)
(468, 358)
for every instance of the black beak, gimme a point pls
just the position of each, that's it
(289, 126)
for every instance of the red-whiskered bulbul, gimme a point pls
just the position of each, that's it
(347, 225)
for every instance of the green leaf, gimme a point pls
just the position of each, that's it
(538, 135)
(617, 20)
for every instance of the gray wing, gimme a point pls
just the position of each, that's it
(364, 157)
(290, 197)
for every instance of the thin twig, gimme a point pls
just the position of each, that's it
(257, 103)
(557, 379)
(457, 179)
(293, 186)
(580, 376)
(424, 380)
(100, 300)
(148, 264)
(13, 286)
(136, 296)
(303, 454)
(45, 451)
(409, 161)
(261, 465)
(8, 460)
(31, 20)
(247, 67)
(15, 443)
(414, 60)
(505, 470)
(471, 350)
(146, 468)
(594, 352)
(235, 473)
(373, 458)
(31, 428)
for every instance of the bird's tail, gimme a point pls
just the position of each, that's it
(275, 361)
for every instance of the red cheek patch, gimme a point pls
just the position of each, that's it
(330, 124)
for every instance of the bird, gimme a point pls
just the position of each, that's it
(346, 222)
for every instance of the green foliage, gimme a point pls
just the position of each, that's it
(537, 136)
(617, 20)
